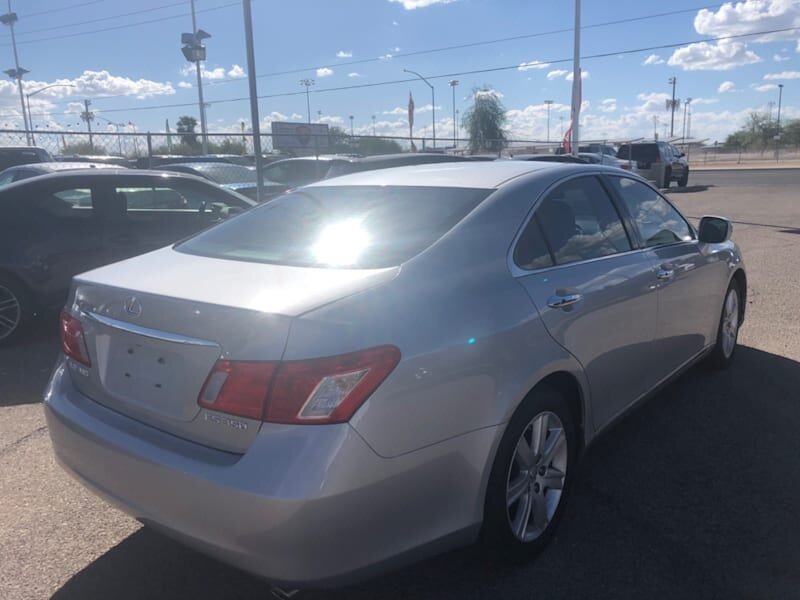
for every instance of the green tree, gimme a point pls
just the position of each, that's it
(186, 126)
(485, 121)
(83, 148)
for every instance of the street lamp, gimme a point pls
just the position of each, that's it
(672, 105)
(194, 51)
(28, 103)
(17, 72)
(308, 83)
(453, 84)
(778, 131)
(351, 125)
(548, 103)
(373, 125)
(433, 101)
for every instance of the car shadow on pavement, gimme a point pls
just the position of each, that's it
(25, 366)
(692, 495)
(688, 189)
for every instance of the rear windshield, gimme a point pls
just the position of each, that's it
(642, 152)
(359, 227)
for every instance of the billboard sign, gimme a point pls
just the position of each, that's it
(310, 137)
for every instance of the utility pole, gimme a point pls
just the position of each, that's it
(351, 126)
(251, 80)
(655, 127)
(197, 51)
(778, 132)
(17, 72)
(673, 104)
(373, 125)
(308, 83)
(576, 81)
(453, 84)
(548, 103)
(88, 116)
(685, 110)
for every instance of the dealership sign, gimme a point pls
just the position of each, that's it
(299, 136)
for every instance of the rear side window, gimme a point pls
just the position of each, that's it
(579, 222)
(361, 227)
(658, 222)
(532, 251)
(174, 196)
(638, 152)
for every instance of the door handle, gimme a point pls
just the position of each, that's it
(665, 274)
(559, 301)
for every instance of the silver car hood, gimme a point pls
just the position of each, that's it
(266, 288)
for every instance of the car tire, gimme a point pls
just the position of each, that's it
(728, 330)
(683, 181)
(523, 501)
(667, 179)
(15, 309)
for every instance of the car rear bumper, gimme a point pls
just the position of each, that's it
(305, 506)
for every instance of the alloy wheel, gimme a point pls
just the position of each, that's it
(730, 322)
(10, 312)
(536, 476)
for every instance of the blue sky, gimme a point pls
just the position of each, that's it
(141, 66)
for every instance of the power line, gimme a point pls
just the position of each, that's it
(445, 75)
(100, 19)
(117, 27)
(63, 8)
(473, 44)
(443, 49)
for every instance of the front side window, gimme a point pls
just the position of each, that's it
(658, 222)
(359, 227)
(579, 222)
(174, 195)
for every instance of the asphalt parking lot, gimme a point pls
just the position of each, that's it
(696, 494)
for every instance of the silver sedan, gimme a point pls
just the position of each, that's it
(377, 368)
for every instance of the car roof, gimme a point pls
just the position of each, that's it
(327, 157)
(200, 165)
(65, 166)
(477, 175)
(106, 173)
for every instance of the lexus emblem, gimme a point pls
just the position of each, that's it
(133, 307)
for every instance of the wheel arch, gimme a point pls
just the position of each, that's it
(740, 277)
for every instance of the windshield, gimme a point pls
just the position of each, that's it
(227, 173)
(640, 152)
(362, 227)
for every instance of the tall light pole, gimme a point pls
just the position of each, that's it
(194, 51)
(17, 72)
(373, 125)
(778, 131)
(453, 83)
(655, 127)
(672, 105)
(251, 81)
(88, 116)
(28, 103)
(548, 103)
(433, 101)
(685, 110)
(308, 83)
(576, 82)
(351, 126)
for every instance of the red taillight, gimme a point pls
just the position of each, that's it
(73, 343)
(238, 387)
(320, 390)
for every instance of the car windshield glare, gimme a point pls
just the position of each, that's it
(359, 227)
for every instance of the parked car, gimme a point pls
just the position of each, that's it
(57, 225)
(158, 160)
(11, 156)
(659, 162)
(553, 158)
(379, 367)
(598, 148)
(118, 161)
(293, 172)
(233, 177)
(605, 159)
(21, 172)
(386, 161)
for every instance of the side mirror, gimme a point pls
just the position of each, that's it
(682, 154)
(714, 230)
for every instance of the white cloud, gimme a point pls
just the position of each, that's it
(557, 73)
(489, 92)
(751, 16)
(584, 75)
(767, 87)
(653, 59)
(236, 72)
(608, 105)
(721, 56)
(726, 86)
(385, 56)
(654, 101)
(344, 54)
(414, 4)
(103, 83)
(331, 120)
(184, 85)
(395, 23)
(704, 101)
(398, 110)
(354, 74)
(534, 64)
(779, 58)
(324, 72)
(783, 75)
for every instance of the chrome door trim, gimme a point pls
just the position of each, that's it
(155, 334)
